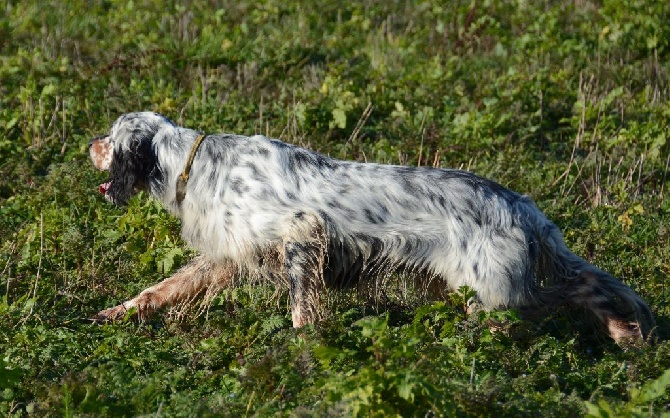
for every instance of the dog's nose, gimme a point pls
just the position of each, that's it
(90, 143)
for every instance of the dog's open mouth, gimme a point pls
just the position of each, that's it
(104, 187)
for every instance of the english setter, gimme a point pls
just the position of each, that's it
(255, 205)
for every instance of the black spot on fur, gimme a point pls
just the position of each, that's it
(408, 185)
(256, 174)
(323, 162)
(302, 160)
(372, 217)
(409, 245)
(239, 186)
(333, 204)
(214, 153)
(327, 220)
(213, 175)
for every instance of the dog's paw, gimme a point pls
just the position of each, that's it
(115, 314)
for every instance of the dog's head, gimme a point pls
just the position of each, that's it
(127, 154)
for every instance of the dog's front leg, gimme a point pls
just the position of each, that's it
(187, 283)
(304, 254)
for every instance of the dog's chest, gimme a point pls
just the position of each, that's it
(231, 231)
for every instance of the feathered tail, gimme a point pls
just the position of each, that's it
(572, 279)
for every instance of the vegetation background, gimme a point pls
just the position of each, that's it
(568, 101)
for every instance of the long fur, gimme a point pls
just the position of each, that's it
(260, 206)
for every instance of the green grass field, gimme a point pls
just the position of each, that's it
(568, 102)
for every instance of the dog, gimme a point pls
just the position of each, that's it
(259, 206)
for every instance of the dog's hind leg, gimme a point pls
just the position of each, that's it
(187, 283)
(304, 251)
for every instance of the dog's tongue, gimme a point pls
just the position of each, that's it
(104, 187)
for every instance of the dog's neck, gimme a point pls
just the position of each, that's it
(182, 180)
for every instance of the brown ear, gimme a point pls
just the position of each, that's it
(100, 150)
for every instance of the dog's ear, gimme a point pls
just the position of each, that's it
(130, 170)
(133, 160)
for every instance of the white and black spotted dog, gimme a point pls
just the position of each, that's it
(259, 206)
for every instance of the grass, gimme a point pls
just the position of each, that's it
(566, 101)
